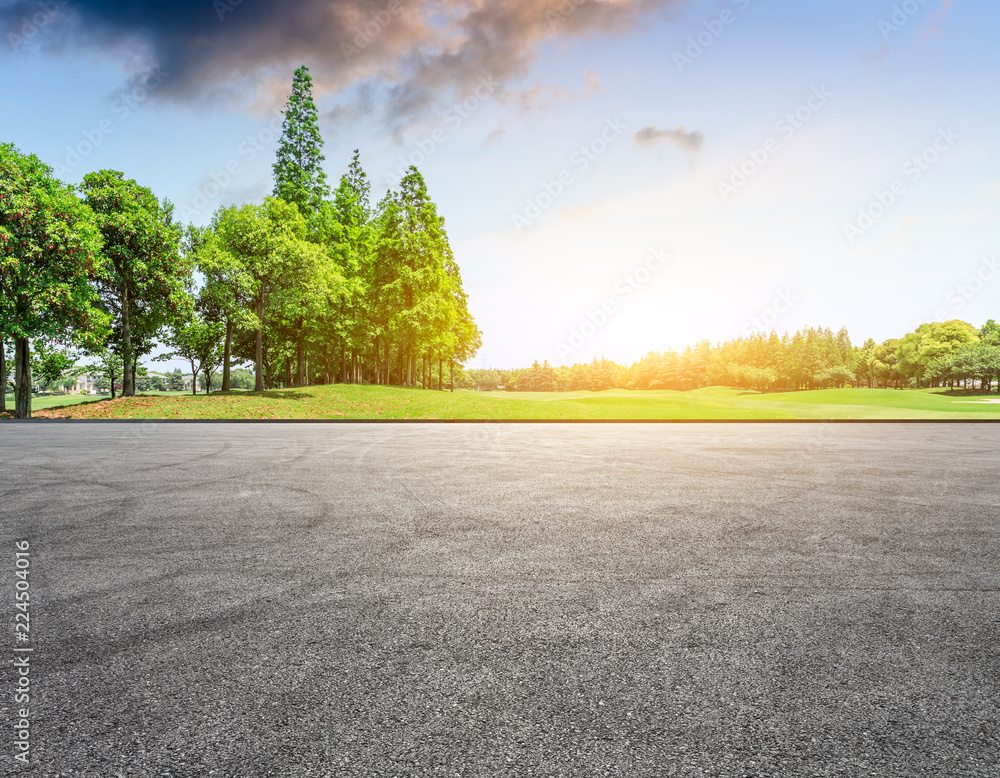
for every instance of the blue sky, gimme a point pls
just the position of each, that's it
(779, 244)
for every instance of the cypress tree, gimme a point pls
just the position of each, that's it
(298, 170)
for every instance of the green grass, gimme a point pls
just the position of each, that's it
(380, 402)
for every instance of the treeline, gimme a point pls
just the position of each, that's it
(311, 286)
(951, 353)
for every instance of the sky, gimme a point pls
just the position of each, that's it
(617, 176)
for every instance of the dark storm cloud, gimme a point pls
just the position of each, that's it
(420, 51)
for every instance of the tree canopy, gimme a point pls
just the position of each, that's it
(299, 177)
(50, 256)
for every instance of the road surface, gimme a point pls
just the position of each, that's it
(506, 600)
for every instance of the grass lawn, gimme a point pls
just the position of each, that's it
(381, 402)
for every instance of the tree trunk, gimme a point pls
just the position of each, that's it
(343, 364)
(300, 364)
(259, 349)
(288, 372)
(453, 375)
(440, 374)
(128, 380)
(194, 378)
(3, 379)
(22, 374)
(226, 355)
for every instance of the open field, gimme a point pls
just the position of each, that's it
(523, 600)
(380, 402)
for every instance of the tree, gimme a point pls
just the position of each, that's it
(863, 361)
(344, 228)
(884, 363)
(144, 277)
(931, 341)
(299, 177)
(415, 283)
(49, 253)
(275, 260)
(199, 342)
(50, 363)
(226, 294)
(990, 333)
(108, 368)
(175, 381)
(4, 378)
(241, 379)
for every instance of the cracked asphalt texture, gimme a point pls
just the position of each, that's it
(507, 600)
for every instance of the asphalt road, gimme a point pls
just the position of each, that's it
(506, 600)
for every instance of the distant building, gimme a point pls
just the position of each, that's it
(168, 377)
(85, 384)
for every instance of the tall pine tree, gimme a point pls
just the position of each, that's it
(298, 171)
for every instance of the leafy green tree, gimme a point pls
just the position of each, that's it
(143, 283)
(990, 333)
(143, 381)
(276, 260)
(299, 177)
(344, 228)
(197, 340)
(50, 363)
(226, 294)
(49, 253)
(931, 341)
(107, 369)
(837, 376)
(415, 283)
(241, 379)
(862, 361)
(175, 381)
(979, 361)
(885, 363)
(301, 307)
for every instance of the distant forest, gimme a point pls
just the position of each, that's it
(939, 354)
